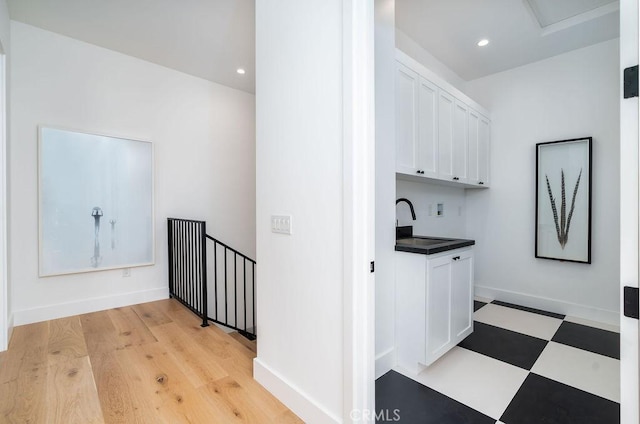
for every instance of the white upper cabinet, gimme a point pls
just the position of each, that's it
(446, 112)
(478, 149)
(416, 124)
(406, 123)
(484, 136)
(428, 129)
(442, 135)
(460, 141)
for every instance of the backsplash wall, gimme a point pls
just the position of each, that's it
(424, 197)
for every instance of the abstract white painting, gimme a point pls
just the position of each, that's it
(96, 202)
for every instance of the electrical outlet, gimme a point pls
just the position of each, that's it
(440, 209)
(126, 272)
(281, 224)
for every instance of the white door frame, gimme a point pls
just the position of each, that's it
(5, 323)
(629, 216)
(359, 210)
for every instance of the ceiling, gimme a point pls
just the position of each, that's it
(212, 38)
(519, 31)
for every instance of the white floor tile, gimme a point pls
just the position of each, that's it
(594, 324)
(535, 325)
(579, 368)
(480, 382)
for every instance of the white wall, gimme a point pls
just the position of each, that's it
(417, 52)
(299, 150)
(203, 135)
(6, 314)
(425, 198)
(567, 96)
(385, 185)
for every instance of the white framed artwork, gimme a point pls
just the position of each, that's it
(95, 202)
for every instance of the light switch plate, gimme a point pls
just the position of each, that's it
(281, 224)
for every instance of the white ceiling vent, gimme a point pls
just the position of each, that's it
(551, 12)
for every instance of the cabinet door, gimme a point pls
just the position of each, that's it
(460, 141)
(473, 176)
(461, 295)
(406, 125)
(438, 307)
(428, 129)
(446, 111)
(484, 145)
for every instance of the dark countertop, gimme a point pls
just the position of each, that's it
(430, 245)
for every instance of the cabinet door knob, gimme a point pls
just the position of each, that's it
(456, 258)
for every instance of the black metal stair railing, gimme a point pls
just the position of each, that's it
(190, 266)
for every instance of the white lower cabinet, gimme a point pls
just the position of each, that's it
(434, 305)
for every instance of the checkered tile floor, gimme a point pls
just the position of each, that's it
(520, 366)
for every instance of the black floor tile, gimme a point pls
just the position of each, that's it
(594, 340)
(477, 305)
(505, 345)
(524, 308)
(541, 400)
(400, 397)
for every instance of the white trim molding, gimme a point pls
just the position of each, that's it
(359, 210)
(550, 305)
(6, 322)
(85, 306)
(385, 362)
(299, 402)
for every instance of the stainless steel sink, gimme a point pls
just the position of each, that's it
(421, 241)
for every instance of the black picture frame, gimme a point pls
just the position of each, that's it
(563, 200)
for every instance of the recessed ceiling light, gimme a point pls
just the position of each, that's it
(240, 71)
(483, 42)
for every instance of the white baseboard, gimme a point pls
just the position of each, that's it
(385, 362)
(299, 402)
(550, 305)
(61, 310)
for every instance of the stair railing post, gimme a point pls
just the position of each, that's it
(203, 241)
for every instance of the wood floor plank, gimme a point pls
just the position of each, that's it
(233, 357)
(71, 393)
(151, 315)
(130, 329)
(113, 391)
(149, 363)
(249, 344)
(26, 351)
(192, 358)
(66, 341)
(24, 375)
(155, 375)
(99, 332)
(234, 402)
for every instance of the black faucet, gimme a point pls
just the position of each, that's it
(413, 213)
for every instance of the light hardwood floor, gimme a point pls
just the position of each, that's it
(148, 363)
